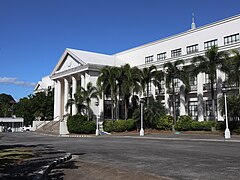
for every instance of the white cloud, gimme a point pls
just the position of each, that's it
(12, 80)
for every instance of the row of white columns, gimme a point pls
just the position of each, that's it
(61, 97)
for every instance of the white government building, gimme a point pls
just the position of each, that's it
(77, 68)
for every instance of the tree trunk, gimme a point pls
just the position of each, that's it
(126, 110)
(147, 94)
(88, 111)
(213, 101)
(112, 104)
(238, 87)
(174, 103)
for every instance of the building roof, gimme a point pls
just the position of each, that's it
(92, 57)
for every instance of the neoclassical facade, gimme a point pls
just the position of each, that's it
(76, 68)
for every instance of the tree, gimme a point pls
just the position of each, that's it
(146, 78)
(6, 104)
(151, 113)
(82, 98)
(174, 72)
(234, 69)
(129, 83)
(37, 105)
(233, 104)
(208, 64)
(107, 80)
(88, 94)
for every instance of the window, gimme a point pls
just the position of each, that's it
(176, 83)
(192, 49)
(149, 59)
(193, 82)
(231, 39)
(209, 44)
(209, 108)
(193, 108)
(161, 56)
(176, 52)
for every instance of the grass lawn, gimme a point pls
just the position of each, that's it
(14, 156)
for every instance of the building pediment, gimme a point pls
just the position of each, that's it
(67, 61)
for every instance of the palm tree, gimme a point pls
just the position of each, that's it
(88, 94)
(83, 97)
(78, 100)
(173, 72)
(129, 83)
(107, 80)
(146, 77)
(234, 69)
(208, 64)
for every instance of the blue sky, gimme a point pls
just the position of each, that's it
(34, 33)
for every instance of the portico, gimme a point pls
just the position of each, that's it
(74, 70)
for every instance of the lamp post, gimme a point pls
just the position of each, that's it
(97, 130)
(227, 132)
(141, 130)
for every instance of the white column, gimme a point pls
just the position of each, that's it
(56, 111)
(66, 92)
(182, 100)
(153, 90)
(101, 106)
(57, 101)
(83, 81)
(166, 97)
(220, 76)
(74, 90)
(200, 80)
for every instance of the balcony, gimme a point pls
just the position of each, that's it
(207, 86)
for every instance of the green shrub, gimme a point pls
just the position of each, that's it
(183, 123)
(202, 126)
(237, 130)
(119, 125)
(79, 124)
(164, 123)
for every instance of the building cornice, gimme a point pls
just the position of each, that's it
(75, 70)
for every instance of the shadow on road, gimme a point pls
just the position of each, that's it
(20, 161)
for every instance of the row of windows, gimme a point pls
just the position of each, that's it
(149, 59)
(231, 39)
(194, 48)
(193, 108)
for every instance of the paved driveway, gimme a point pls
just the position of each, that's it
(154, 158)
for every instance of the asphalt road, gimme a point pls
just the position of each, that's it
(171, 159)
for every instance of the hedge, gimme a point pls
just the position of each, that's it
(119, 125)
(164, 123)
(186, 123)
(79, 124)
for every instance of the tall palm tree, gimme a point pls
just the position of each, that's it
(173, 72)
(107, 79)
(129, 83)
(146, 78)
(88, 94)
(208, 64)
(234, 69)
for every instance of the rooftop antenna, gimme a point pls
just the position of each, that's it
(193, 25)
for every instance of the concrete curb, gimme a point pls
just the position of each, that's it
(76, 135)
(43, 173)
(178, 139)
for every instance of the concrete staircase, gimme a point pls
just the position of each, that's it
(51, 127)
